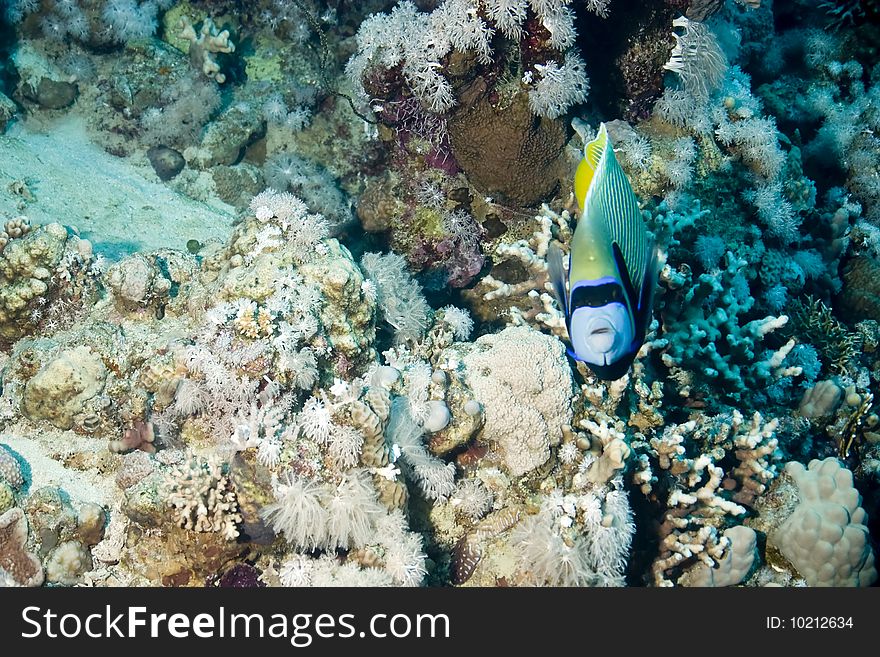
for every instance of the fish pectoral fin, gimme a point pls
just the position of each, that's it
(625, 279)
(646, 300)
(556, 271)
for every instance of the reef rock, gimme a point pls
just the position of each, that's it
(60, 389)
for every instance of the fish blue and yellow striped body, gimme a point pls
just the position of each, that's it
(608, 290)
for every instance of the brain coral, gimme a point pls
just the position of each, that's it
(506, 151)
(523, 381)
(825, 537)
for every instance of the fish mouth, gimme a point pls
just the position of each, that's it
(601, 335)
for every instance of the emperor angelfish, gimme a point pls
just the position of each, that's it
(608, 291)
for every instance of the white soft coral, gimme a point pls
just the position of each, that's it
(559, 87)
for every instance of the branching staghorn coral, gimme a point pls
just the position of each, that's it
(701, 499)
(202, 497)
(702, 332)
(611, 448)
(204, 44)
(538, 307)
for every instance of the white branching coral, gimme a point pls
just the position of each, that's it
(396, 558)
(314, 515)
(296, 571)
(733, 568)
(202, 497)
(756, 451)
(609, 539)
(599, 7)
(399, 295)
(459, 321)
(215, 389)
(345, 446)
(544, 558)
(539, 305)
(315, 420)
(613, 445)
(723, 107)
(697, 58)
(558, 87)
(298, 511)
(703, 498)
(471, 498)
(353, 511)
(435, 478)
(508, 15)
(287, 218)
(262, 427)
(575, 540)
(237, 343)
(418, 41)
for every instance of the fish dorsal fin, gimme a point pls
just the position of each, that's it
(589, 164)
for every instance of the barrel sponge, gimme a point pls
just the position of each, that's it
(825, 537)
(522, 379)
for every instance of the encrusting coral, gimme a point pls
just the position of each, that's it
(17, 566)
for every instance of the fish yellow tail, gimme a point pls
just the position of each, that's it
(593, 152)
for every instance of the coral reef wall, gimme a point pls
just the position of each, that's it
(279, 301)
